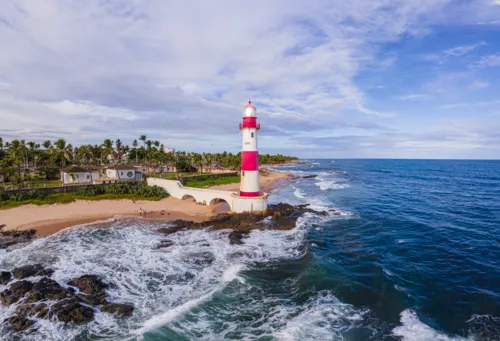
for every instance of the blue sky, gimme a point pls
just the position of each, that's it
(363, 78)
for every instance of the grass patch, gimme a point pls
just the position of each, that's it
(209, 181)
(66, 198)
(173, 176)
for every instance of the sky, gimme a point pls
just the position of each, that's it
(329, 78)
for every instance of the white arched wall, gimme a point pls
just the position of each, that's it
(206, 196)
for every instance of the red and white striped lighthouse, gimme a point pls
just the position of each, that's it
(249, 155)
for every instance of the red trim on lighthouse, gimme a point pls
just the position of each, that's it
(249, 161)
(249, 194)
(249, 122)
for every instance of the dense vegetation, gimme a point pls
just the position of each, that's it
(209, 181)
(140, 189)
(130, 190)
(30, 163)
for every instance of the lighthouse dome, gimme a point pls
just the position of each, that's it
(249, 109)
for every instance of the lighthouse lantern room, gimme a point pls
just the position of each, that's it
(249, 153)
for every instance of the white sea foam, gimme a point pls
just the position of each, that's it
(325, 184)
(412, 329)
(162, 284)
(299, 193)
(322, 318)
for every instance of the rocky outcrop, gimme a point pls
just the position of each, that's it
(39, 310)
(118, 309)
(31, 270)
(46, 289)
(18, 324)
(93, 300)
(89, 284)
(36, 300)
(235, 237)
(70, 310)
(311, 176)
(10, 238)
(276, 217)
(15, 292)
(5, 277)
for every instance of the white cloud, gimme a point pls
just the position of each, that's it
(479, 85)
(414, 97)
(461, 50)
(488, 61)
(169, 68)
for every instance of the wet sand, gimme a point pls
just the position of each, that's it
(49, 219)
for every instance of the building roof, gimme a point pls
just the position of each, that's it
(121, 167)
(77, 169)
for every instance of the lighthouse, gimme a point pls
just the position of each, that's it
(249, 186)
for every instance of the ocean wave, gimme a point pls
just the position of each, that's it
(412, 329)
(323, 317)
(162, 284)
(330, 184)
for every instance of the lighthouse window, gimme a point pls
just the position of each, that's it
(252, 134)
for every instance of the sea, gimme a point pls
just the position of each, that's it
(412, 253)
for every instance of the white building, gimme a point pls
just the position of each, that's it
(121, 172)
(168, 150)
(79, 175)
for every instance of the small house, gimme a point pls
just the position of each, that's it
(79, 175)
(122, 173)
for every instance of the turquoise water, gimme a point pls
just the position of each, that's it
(413, 255)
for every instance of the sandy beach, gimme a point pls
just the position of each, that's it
(48, 219)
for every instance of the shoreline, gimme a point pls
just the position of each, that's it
(61, 216)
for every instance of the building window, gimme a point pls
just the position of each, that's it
(77, 176)
(243, 173)
(88, 176)
(121, 173)
(252, 134)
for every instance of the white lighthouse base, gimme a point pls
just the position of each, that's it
(207, 196)
(249, 204)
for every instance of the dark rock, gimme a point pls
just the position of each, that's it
(5, 277)
(31, 270)
(18, 324)
(39, 310)
(118, 309)
(8, 238)
(236, 236)
(16, 291)
(7, 298)
(70, 310)
(89, 284)
(164, 244)
(92, 300)
(202, 258)
(176, 226)
(277, 217)
(46, 289)
(235, 241)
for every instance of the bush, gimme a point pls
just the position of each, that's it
(140, 189)
(23, 196)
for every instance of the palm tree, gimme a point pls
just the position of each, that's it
(134, 144)
(47, 144)
(119, 149)
(63, 151)
(107, 149)
(143, 138)
(1, 143)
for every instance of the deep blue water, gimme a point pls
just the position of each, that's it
(412, 254)
(424, 238)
